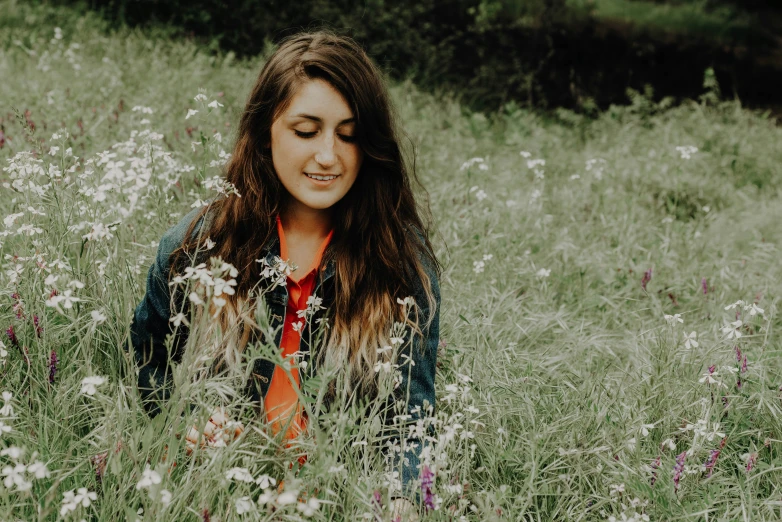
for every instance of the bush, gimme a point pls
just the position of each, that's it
(541, 53)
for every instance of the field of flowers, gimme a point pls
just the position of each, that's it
(608, 329)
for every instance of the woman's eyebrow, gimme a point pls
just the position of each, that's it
(320, 120)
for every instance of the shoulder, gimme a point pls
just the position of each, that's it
(175, 235)
(427, 260)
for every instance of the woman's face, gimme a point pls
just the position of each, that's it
(315, 136)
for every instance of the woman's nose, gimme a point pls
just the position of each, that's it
(326, 156)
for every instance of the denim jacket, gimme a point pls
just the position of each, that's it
(151, 326)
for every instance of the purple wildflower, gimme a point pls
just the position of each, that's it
(744, 365)
(377, 503)
(18, 305)
(712, 368)
(12, 337)
(713, 456)
(427, 482)
(704, 286)
(99, 462)
(753, 457)
(52, 366)
(38, 327)
(738, 353)
(678, 469)
(655, 465)
(738, 382)
(646, 278)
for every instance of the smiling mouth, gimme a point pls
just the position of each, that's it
(321, 178)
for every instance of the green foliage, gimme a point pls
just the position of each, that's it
(579, 54)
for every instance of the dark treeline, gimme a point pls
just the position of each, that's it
(541, 53)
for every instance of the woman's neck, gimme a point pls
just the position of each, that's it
(304, 222)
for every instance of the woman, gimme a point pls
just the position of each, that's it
(321, 183)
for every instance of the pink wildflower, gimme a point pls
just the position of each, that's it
(427, 481)
(753, 457)
(18, 305)
(704, 286)
(713, 456)
(377, 503)
(655, 465)
(678, 469)
(738, 353)
(52, 366)
(744, 365)
(12, 337)
(646, 278)
(38, 327)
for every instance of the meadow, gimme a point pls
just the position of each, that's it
(609, 299)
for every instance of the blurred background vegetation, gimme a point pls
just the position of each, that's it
(579, 54)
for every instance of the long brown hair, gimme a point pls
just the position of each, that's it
(378, 256)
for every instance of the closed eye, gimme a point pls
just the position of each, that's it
(307, 135)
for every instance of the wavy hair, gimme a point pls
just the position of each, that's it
(377, 255)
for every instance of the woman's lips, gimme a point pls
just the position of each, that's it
(321, 182)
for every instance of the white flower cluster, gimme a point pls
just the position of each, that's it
(89, 385)
(269, 497)
(221, 186)
(473, 161)
(596, 166)
(687, 151)
(479, 266)
(150, 481)
(702, 430)
(71, 501)
(17, 476)
(208, 284)
(277, 271)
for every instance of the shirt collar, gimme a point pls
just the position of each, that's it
(272, 249)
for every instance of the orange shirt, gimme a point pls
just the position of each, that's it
(281, 402)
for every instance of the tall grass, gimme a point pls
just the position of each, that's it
(564, 391)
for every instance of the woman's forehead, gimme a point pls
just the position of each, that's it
(319, 101)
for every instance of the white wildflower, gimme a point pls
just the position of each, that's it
(543, 273)
(149, 477)
(265, 481)
(686, 151)
(240, 475)
(673, 319)
(89, 384)
(71, 501)
(310, 507)
(7, 410)
(287, 497)
(244, 505)
(165, 497)
(731, 330)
